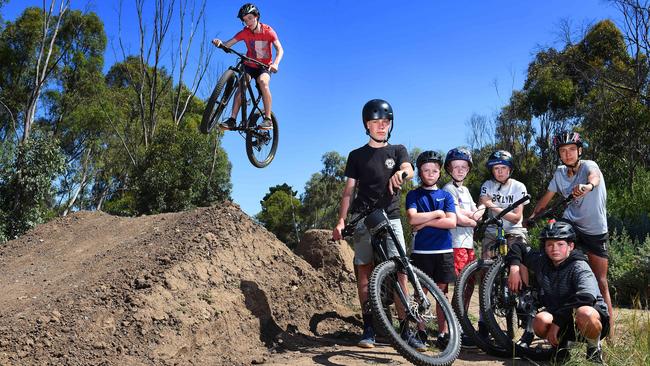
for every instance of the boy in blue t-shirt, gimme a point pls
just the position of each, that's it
(432, 213)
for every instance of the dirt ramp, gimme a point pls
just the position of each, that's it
(203, 287)
(332, 259)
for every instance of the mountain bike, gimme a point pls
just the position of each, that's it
(418, 304)
(508, 315)
(468, 313)
(261, 145)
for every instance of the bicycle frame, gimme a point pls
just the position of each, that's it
(500, 247)
(243, 87)
(379, 226)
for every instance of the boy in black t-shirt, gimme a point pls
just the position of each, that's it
(375, 169)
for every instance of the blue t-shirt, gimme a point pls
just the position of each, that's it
(431, 240)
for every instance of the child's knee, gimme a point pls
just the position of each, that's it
(588, 320)
(542, 322)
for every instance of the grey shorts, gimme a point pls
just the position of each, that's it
(490, 238)
(363, 252)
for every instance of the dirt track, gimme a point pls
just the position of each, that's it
(202, 287)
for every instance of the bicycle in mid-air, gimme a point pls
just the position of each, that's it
(418, 300)
(468, 311)
(261, 145)
(509, 316)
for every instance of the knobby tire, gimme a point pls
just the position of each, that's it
(261, 145)
(467, 285)
(218, 101)
(387, 317)
(492, 304)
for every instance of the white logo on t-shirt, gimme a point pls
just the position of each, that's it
(390, 163)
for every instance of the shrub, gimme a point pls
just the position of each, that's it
(629, 269)
(26, 184)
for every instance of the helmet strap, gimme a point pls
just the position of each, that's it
(429, 185)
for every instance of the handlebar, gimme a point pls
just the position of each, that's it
(351, 225)
(242, 56)
(497, 218)
(549, 211)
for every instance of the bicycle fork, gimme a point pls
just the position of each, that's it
(424, 304)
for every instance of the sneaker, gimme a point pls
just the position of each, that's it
(414, 341)
(422, 335)
(467, 342)
(526, 339)
(483, 330)
(267, 124)
(367, 338)
(595, 355)
(442, 341)
(228, 124)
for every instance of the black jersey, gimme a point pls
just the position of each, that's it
(372, 168)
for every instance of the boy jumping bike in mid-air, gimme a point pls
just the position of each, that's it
(258, 38)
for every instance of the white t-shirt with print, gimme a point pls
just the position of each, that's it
(503, 195)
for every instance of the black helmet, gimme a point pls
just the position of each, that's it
(458, 153)
(500, 157)
(377, 109)
(247, 8)
(428, 157)
(566, 138)
(558, 230)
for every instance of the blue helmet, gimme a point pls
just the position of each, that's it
(458, 153)
(500, 157)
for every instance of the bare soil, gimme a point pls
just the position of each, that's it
(206, 287)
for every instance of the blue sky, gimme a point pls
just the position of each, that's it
(436, 62)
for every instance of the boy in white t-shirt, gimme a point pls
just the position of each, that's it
(458, 164)
(498, 193)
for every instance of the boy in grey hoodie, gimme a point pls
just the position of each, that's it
(567, 288)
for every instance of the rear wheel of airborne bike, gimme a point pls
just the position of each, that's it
(467, 307)
(509, 316)
(424, 326)
(218, 101)
(261, 144)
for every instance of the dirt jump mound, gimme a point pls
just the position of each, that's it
(208, 286)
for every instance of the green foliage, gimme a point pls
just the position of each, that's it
(280, 214)
(26, 184)
(628, 208)
(629, 269)
(323, 193)
(631, 346)
(176, 172)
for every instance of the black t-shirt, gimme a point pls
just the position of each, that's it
(372, 168)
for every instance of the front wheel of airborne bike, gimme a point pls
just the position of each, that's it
(218, 101)
(509, 316)
(467, 307)
(261, 144)
(388, 318)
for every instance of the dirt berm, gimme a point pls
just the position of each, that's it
(206, 287)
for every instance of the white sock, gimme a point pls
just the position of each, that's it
(593, 342)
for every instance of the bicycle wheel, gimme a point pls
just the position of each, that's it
(467, 308)
(261, 144)
(388, 317)
(219, 101)
(509, 316)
